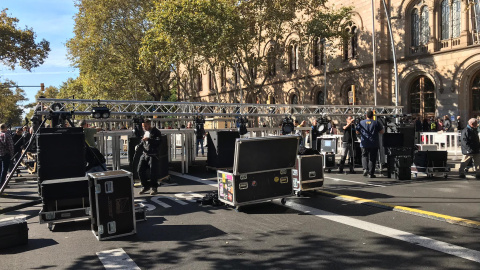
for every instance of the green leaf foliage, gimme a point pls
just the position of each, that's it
(18, 47)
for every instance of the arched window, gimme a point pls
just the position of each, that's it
(293, 57)
(422, 96)
(320, 98)
(415, 28)
(294, 99)
(475, 90)
(450, 20)
(271, 99)
(424, 27)
(271, 68)
(318, 52)
(350, 43)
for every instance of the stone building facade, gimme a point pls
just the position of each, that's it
(437, 44)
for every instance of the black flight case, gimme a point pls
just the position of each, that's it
(13, 232)
(308, 173)
(112, 201)
(262, 171)
(64, 200)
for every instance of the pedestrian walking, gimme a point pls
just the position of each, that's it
(470, 148)
(6, 152)
(369, 130)
(347, 145)
(149, 164)
(314, 133)
(200, 135)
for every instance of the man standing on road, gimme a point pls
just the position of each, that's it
(470, 148)
(347, 144)
(369, 130)
(150, 160)
(6, 152)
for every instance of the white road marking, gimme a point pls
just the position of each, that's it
(150, 207)
(116, 259)
(157, 201)
(444, 247)
(426, 242)
(368, 184)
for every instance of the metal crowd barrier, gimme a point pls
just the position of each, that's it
(446, 141)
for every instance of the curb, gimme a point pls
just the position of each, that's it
(426, 214)
(19, 206)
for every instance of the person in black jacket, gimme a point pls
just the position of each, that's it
(470, 147)
(349, 136)
(150, 160)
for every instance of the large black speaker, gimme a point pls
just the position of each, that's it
(408, 136)
(221, 148)
(60, 153)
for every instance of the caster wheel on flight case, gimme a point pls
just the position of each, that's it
(445, 175)
(50, 226)
(329, 170)
(283, 201)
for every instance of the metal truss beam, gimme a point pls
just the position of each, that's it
(119, 108)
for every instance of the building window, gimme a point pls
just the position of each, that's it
(271, 68)
(415, 28)
(476, 95)
(320, 98)
(422, 97)
(271, 99)
(294, 99)
(293, 57)
(424, 27)
(318, 52)
(450, 20)
(211, 80)
(199, 82)
(475, 7)
(223, 76)
(350, 43)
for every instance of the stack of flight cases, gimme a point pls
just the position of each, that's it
(307, 174)
(262, 171)
(64, 200)
(112, 201)
(221, 149)
(328, 148)
(398, 156)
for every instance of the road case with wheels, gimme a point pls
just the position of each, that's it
(308, 173)
(64, 200)
(261, 171)
(430, 163)
(112, 201)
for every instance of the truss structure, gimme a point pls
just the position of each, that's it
(124, 108)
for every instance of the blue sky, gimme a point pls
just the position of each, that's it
(51, 20)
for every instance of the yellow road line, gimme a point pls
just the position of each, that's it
(408, 210)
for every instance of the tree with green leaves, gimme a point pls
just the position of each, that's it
(18, 47)
(186, 35)
(11, 97)
(105, 48)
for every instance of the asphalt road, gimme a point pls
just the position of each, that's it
(312, 232)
